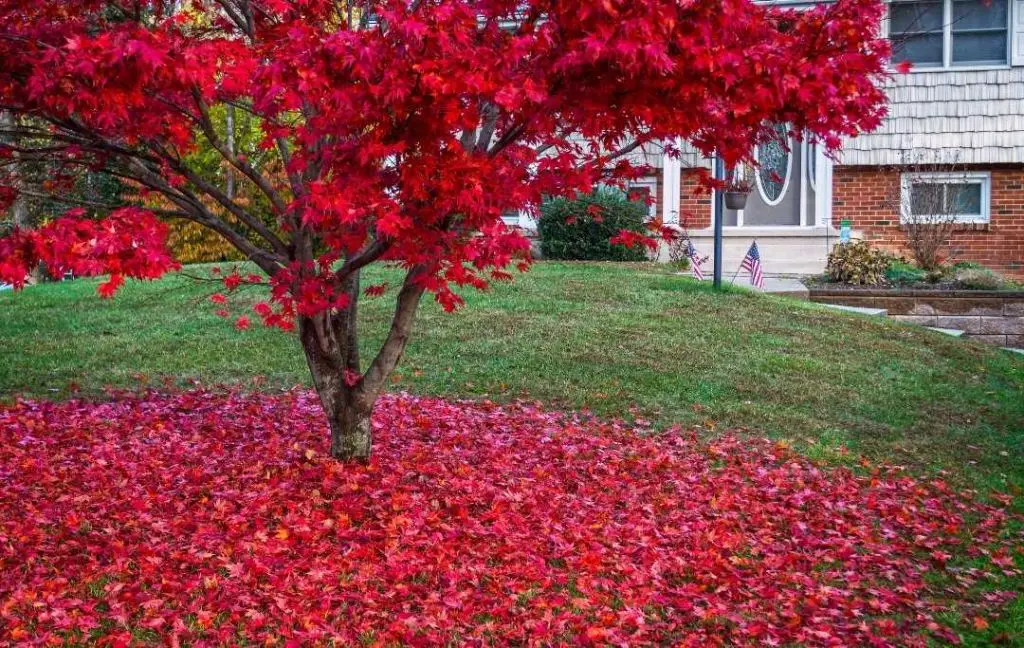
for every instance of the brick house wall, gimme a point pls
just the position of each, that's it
(694, 202)
(868, 198)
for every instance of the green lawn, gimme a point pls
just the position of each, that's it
(620, 340)
(617, 339)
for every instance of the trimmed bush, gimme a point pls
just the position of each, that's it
(858, 264)
(902, 273)
(579, 229)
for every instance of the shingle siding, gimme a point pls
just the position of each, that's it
(653, 156)
(961, 116)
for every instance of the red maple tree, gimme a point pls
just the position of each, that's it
(405, 129)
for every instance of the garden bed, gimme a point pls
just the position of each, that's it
(991, 316)
(817, 283)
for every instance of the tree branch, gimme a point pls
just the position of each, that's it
(210, 190)
(206, 125)
(401, 326)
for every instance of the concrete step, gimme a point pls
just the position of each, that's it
(860, 310)
(948, 331)
(1013, 350)
(786, 287)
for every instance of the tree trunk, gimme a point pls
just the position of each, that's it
(331, 344)
(347, 408)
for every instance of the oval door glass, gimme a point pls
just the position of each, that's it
(775, 161)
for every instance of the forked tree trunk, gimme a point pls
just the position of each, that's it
(348, 411)
(331, 345)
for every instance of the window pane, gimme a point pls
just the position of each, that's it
(773, 156)
(927, 199)
(639, 193)
(964, 198)
(980, 47)
(979, 14)
(924, 49)
(915, 17)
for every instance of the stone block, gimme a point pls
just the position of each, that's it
(922, 308)
(1002, 325)
(965, 323)
(1013, 308)
(923, 320)
(967, 306)
(1015, 341)
(862, 302)
(898, 305)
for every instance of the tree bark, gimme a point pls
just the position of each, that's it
(347, 408)
(330, 341)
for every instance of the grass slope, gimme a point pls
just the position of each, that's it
(616, 339)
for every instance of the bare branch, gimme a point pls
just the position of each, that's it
(81, 202)
(231, 206)
(489, 114)
(206, 125)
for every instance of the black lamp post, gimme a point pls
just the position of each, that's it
(719, 198)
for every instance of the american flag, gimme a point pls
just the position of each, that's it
(695, 261)
(752, 264)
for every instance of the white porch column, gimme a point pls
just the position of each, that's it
(671, 167)
(823, 187)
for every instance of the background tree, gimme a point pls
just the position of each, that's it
(404, 130)
(929, 200)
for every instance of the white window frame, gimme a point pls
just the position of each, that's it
(947, 41)
(982, 178)
(651, 184)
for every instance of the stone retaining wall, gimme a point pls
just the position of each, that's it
(995, 317)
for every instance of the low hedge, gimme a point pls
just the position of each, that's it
(580, 229)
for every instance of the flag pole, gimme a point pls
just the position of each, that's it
(738, 268)
(719, 213)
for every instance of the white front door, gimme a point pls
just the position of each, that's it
(783, 191)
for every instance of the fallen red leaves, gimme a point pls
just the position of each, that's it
(217, 518)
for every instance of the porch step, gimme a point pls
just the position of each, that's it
(861, 310)
(948, 331)
(786, 287)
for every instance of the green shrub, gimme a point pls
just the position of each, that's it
(978, 279)
(580, 229)
(902, 273)
(857, 263)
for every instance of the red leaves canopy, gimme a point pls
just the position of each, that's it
(218, 518)
(129, 243)
(406, 137)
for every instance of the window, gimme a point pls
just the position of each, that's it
(776, 163)
(938, 197)
(511, 217)
(947, 33)
(645, 189)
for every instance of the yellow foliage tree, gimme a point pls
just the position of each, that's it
(193, 243)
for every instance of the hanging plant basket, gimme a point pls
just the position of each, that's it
(735, 199)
